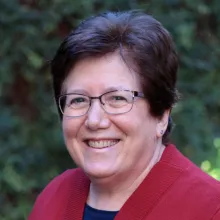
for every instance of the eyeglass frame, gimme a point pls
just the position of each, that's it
(134, 94)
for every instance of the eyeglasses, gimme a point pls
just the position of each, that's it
(114, 102)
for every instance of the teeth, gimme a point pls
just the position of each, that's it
(102, 144)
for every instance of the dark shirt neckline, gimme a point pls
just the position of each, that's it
(91, 213)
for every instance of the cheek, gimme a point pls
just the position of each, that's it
(129, 125)
(70, 128)
(137, 124)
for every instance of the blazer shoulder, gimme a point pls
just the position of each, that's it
(55, 194)
(62, 179)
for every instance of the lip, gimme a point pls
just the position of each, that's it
(101, 139)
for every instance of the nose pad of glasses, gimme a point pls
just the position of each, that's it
(102, 102)
(100, 99)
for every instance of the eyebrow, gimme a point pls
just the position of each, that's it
(112, 88)
(80, 91)
(85, 92)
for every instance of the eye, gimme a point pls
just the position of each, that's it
(78, 100)
(118, 98)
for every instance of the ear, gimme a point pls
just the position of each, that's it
(162, 124)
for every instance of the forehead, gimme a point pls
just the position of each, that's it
(101, 74)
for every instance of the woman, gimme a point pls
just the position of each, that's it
(114, 80)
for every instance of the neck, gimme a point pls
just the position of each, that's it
(111, 193)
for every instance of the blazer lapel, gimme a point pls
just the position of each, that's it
(157, 182)
(78, 193)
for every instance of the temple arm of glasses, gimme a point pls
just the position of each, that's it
(138, 94)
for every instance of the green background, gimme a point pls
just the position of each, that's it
(32, 150)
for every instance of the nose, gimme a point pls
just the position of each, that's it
(96, 117)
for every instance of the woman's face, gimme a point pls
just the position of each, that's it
(131, 137)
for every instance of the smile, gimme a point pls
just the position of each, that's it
(100, 144)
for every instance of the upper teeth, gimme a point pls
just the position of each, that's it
(102, 144)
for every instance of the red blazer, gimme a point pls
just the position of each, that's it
(175, 189)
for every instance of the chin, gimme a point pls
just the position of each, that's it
(98, 172)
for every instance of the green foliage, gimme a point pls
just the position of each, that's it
(32, 149)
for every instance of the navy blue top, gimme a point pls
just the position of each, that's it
(96, 214)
